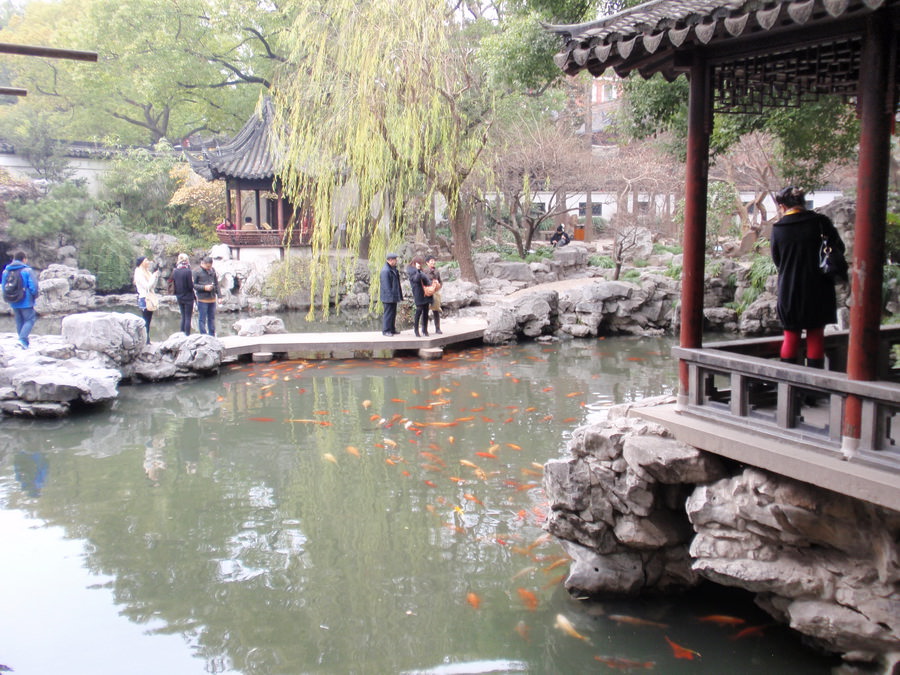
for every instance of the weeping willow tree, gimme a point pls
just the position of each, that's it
(382, 105)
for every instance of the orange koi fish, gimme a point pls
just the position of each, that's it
(494, 448)
(398, 400)
(555, 581)
(366, 404)
(328, 457)
(390, 443)
(748, 631)
(636, 621)
(261, 419)
(488, 455)
(478, 409)
(420, 407)
(569, 420)
(457, 480)
(543, 539)
(475, 394)
(406, 473)
(430, 483)
(486, 419)
(321, 423)
(528, 598)
(531, 472)
(619, 663)
(547, 389)
(682, 652)
(530, 409)
(559, 563)
(465, 419)
(473, 498)
(522, 630)
(566, 627)
(434, 458)
(352, 450)
(471, 465)
(573, 394)
(527, 486)
(321, 412)
(451, 440)
(473, 599)
(722, 620)
(372, 418)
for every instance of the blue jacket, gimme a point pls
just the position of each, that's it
(31, 286)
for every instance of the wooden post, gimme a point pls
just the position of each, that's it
(228, 212)
(696, 185)
(876, 95)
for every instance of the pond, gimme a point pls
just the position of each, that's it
(338, 517)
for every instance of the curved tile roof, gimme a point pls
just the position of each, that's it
(247, 156)
(645, 37)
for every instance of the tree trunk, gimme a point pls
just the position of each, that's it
(460, 228)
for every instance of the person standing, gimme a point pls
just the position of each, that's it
(435, 275)
(206, 286)
(390, 295)
(23, 307)
(183, 283)
(806, 296)
(145, 284)
(418, 279)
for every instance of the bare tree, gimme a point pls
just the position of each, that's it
(536, 156)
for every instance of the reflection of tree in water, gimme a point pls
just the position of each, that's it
(262, 553)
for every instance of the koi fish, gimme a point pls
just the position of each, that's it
(522, 630)
(430, 483)
(573, 394)
(465, 419)
(566, 627)
(451, 440)
(494, 448)
(619, 663)
(473, 498)
(420, 407)
(457, 480)
(569, 420)
(559, 563)
(682, 652)
(471, 465)
(434, 458)
(748, 631)
(531, 472)
(390, 443)
(320, 412)
(555, 581)
(398, 400)
(528, 598)
(352, 450)
(366, 404)
(486, 419)
(636, 621)
(523, 572)
(261, 419)
(473, 599)
(321, 423)
(722, 620)
(478, 409)
(530, 409)
(328, 457)
(488, 455)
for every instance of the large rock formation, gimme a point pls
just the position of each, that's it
(639, 512)
(84, 365)
(826, 564)
(617, 505)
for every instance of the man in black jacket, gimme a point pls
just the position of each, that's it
(206, 285)
(391, 294)
(183, 287)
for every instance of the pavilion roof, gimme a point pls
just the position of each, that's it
(764, 52)
(247, 156)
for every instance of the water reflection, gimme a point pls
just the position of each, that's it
(340, 517)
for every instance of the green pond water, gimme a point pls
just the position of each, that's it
(337, 517)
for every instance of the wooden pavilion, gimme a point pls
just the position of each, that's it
(247, 164)
(743, 56)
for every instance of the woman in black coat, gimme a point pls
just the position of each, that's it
(806, 297)
(417, 279)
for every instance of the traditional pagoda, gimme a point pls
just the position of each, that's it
(247, 165)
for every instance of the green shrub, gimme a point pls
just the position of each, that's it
(602, 261)
(631, 275)
(105, 250)
(673, 271)
(662, 248)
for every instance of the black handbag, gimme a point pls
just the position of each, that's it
(831, 262)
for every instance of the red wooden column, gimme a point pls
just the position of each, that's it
(876, 86)
(696, 184)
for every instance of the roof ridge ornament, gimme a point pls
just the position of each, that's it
(835, 7)
(801, 11)
(766, 18)
(735, 25)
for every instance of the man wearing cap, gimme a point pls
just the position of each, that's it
(391, 294)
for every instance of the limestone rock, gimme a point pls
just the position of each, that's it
(669, 461)
(118, 336)
(261, 325)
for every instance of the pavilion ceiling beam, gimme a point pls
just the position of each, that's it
(45, 52)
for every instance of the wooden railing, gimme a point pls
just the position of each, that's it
(263, 238)
(743, 383)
